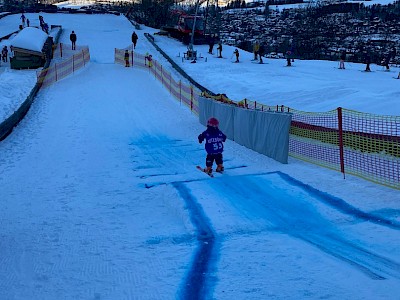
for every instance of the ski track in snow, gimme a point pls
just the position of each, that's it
(300, 220)
(297, 219)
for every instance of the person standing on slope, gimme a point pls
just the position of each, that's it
(126, 58)
(211, 42)
(342, 59)
(23, 18)
(261, 51)
(367, 62)
(236, 52)
(256, 49)
(214, 139)
(72, 38)
(4, 54)
(219, 49)
(134, 39)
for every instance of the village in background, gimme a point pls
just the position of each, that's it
(323, 30)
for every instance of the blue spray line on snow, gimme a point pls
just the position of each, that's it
(340, 204)
(195, 285)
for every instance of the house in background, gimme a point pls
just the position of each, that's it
(30, 48)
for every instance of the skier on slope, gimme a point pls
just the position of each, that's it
(256, 49)
(236, 52)
(219, 49)
(261, 51)
(214, 146)
(342, 59)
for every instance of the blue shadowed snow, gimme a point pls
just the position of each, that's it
(282, 203)
(342, 205)
(288, 206)
(195, 286)
(293, 208)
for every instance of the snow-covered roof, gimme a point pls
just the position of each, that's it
(30, 38)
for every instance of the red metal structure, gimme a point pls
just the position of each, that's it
(181, 27)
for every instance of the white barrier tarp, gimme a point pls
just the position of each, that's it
(223, 112)
(264, 132)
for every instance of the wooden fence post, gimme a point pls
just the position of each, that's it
(55, 70)
(162, 77)
(180, 92)
(191, 98)
(340, 131)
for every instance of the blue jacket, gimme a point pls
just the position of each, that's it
(214, 140)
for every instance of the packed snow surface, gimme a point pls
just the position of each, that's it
(100, 197)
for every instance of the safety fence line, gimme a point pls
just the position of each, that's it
(186, 94)
(72, 60)
(361, 144)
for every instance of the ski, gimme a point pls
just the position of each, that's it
(202, 170)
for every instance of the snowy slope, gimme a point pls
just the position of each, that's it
(100, 199)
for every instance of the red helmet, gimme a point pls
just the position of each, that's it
(213, 122)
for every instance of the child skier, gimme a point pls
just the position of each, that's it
(236, 52)
(126, 58)
(214, 145)
(148, 58)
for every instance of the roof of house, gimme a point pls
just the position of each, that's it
(30, 38)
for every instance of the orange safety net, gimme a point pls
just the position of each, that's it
(68, 63)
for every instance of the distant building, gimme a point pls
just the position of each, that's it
(30, 49)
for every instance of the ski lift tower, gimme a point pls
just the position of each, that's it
(194, 26)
